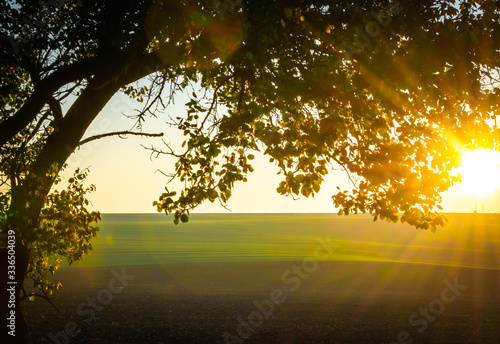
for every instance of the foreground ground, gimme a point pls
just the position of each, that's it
(333, 302)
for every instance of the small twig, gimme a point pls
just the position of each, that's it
(159, 152)
(223, 204)
(170, 176)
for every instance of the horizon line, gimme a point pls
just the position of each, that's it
(271, 213)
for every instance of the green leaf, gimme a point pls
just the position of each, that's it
(212, 194)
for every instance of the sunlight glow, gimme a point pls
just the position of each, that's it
(480, 170)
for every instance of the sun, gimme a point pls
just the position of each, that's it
(480, 170)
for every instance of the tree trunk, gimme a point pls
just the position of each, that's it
(28, 200)
(14, 328)
(28, 197)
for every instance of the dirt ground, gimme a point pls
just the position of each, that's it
(274, 302)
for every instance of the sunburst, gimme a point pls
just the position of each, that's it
(480, 170)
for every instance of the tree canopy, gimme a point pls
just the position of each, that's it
(389, 91)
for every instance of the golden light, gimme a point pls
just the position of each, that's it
(480, 170)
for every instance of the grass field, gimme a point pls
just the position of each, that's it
(469, 240)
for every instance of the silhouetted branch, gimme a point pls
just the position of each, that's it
(43, 296)
(118, 133)
(158, 152)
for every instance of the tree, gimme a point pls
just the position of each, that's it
(389, 91)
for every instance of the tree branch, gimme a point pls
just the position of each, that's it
(42, 93)
(118, 133)
(45, 297)
(55, 107)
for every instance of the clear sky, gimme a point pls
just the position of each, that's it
(127, 182)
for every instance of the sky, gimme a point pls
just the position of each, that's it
(128, 181)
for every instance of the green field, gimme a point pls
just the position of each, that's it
(469, 240)
(192, 283)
